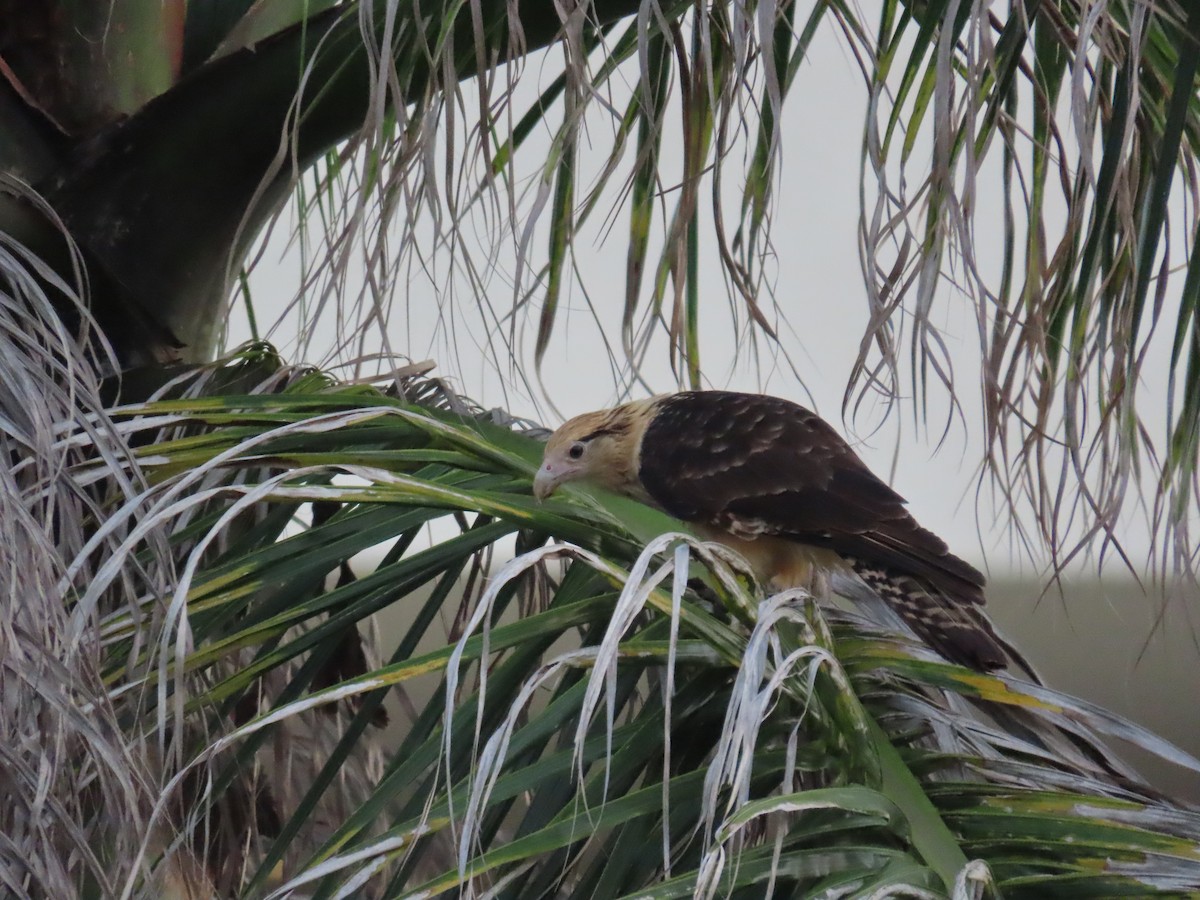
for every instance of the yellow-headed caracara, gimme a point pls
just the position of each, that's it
(775, 482)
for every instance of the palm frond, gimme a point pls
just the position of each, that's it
(1088, 115)
(1084, 117)
(599, 719)
(64, 753)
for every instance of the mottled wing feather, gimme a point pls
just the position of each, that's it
(960, 631)
(754, 466)
(762, 465)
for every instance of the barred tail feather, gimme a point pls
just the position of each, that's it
(959, 630)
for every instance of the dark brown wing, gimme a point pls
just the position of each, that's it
(753, 464)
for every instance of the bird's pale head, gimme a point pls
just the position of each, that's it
(598, 448)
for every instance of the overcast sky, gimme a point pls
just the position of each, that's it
(1092, 643)
(818, 285)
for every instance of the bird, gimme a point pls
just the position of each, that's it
(777, 483)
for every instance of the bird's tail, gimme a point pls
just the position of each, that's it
(959, 630)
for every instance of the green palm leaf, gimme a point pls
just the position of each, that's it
(601, 719)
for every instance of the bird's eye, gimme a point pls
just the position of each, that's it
(576, 450)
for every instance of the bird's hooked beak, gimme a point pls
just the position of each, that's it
(547, 480)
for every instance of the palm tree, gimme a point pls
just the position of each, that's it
(189, 707)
